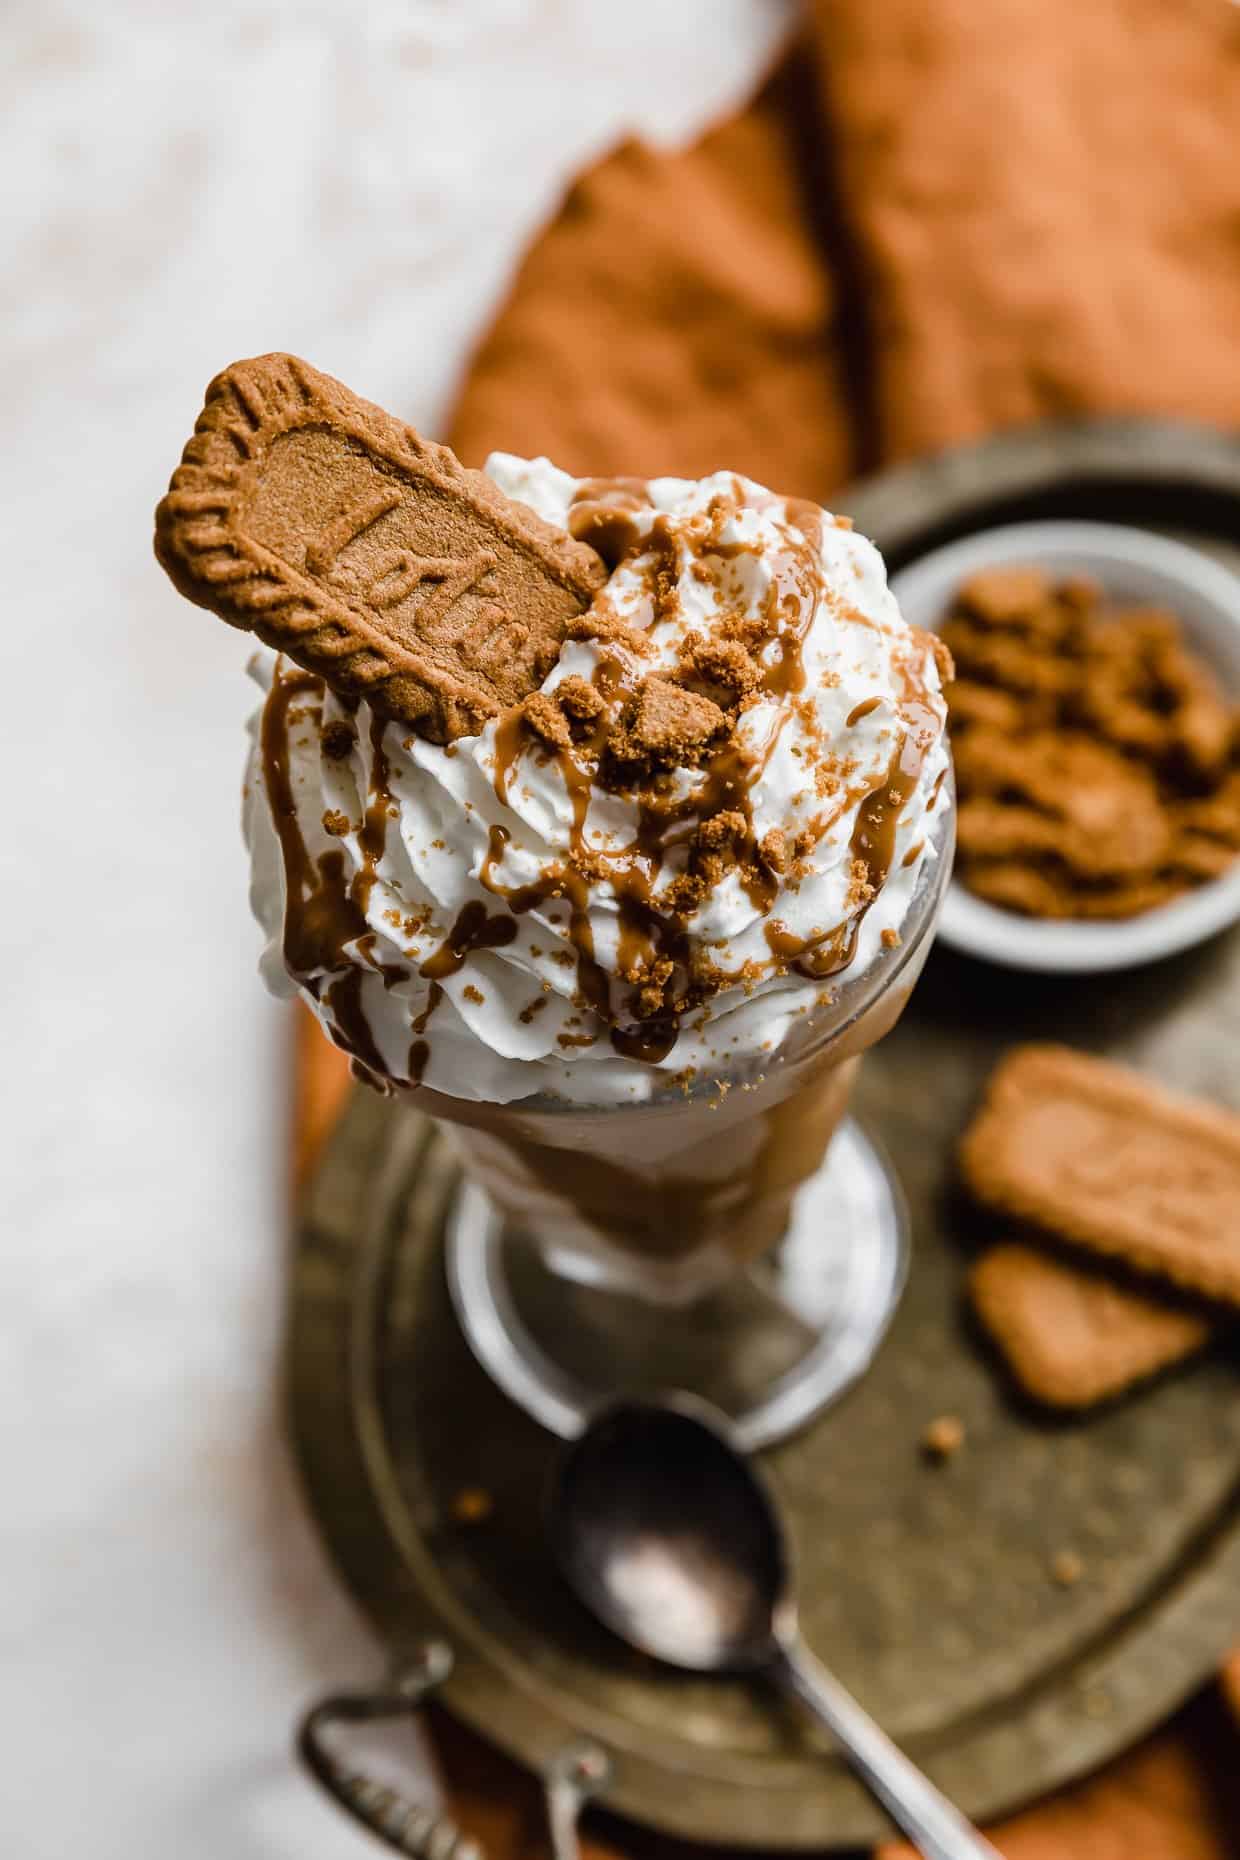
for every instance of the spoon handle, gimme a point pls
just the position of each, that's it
(936, 1829)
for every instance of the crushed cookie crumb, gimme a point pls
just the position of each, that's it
(943, 1437)
(338, 739)
(723, 666)
(335, 823)
(600, 623)
(581, 701)
(471, 1505)
(544, 717)
(663, 725)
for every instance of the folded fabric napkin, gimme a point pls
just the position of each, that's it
(936, 219)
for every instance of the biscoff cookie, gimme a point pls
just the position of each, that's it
(1071, 1338)
(368, 554)
(1103, 1159)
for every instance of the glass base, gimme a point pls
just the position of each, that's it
(771, 1348)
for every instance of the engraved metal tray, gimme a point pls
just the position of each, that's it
(927, 1587)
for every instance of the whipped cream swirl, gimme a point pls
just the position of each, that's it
(718, 802)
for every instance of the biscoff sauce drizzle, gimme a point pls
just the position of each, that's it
(321, 914)
(474, 929)
(371, 844)
(419, 1050)
(650, 939)
(872, 849)
(372, 837)
(652, 942)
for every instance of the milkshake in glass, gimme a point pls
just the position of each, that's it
(628, 941)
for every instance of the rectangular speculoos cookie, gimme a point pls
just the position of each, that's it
(369, 555)
(1104, 1159)
(1070, 1337)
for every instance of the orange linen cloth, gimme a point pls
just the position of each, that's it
(938, 217)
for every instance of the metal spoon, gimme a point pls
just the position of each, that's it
(671, 1538)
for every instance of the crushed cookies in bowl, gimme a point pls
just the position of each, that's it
(1097, 755)
(1094, 731)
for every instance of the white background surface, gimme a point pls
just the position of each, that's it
(183, 185)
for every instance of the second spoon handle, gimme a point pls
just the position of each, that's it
(919, 1810)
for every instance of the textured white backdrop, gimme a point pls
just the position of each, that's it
(183, 185)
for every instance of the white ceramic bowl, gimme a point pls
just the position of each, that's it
(1132, 566)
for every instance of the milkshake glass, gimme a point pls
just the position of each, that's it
(737, 1235)
(628, 941)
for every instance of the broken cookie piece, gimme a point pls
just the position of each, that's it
(664, 724)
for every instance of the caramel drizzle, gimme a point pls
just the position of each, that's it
(509, 742)
(372, 838)
(474, 929)
(372, 844)
(872, 848)
(873, 841)
(934, 792)
(419, 1050)
(605, 513)
(321, 914)
(815, 957)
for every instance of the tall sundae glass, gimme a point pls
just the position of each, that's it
(628, 943)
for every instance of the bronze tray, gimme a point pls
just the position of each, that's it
(928, 1588)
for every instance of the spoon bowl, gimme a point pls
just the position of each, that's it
(672, 1539)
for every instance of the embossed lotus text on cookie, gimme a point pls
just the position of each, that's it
(368, 554)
